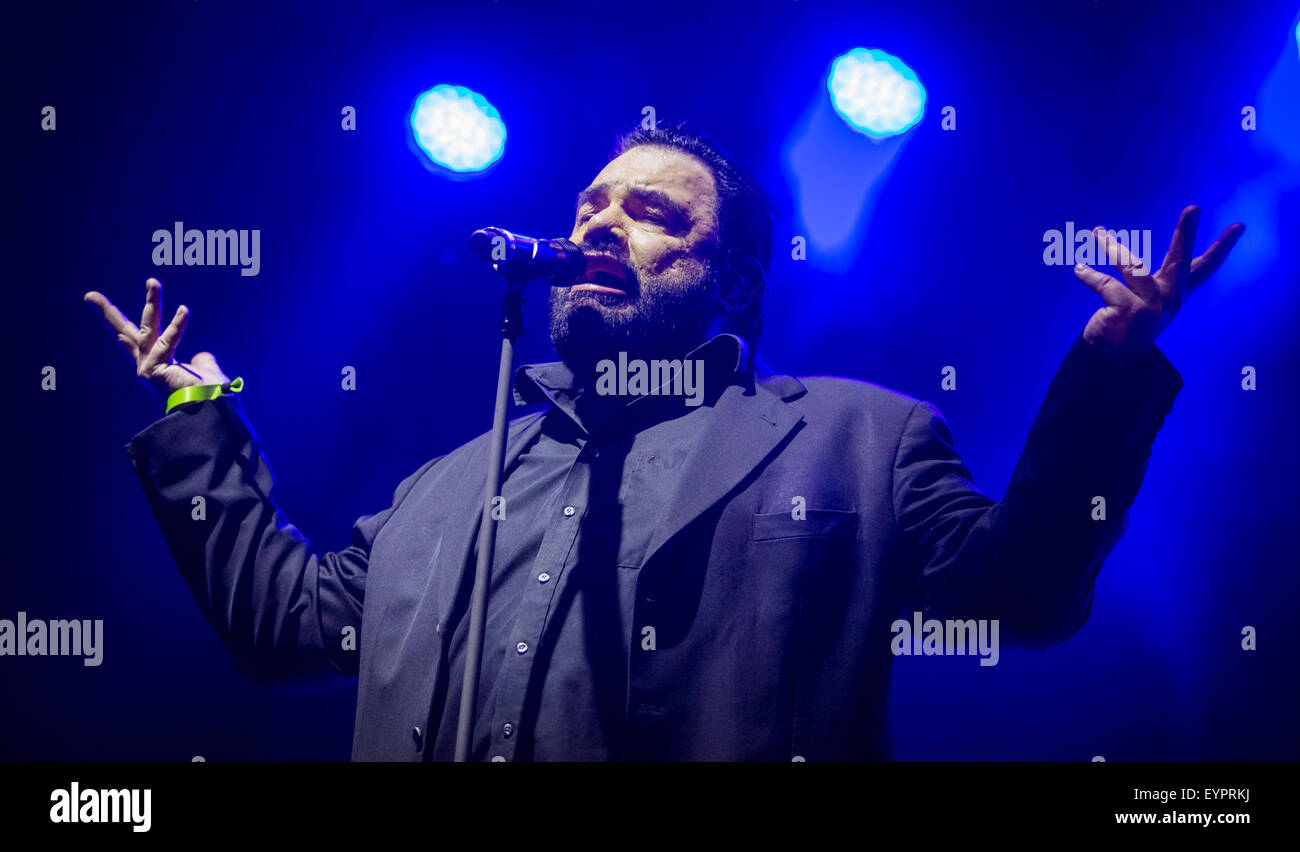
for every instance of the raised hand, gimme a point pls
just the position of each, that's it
(152, 349)
(1142, 306)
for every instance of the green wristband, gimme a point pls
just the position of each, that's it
(198, 393)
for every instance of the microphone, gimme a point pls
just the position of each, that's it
(523, 258)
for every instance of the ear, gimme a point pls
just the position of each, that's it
(743, 281)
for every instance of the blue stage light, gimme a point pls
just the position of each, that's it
(875, 92)
(457, 129)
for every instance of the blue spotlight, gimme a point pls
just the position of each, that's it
(875, 92)
(457, 129)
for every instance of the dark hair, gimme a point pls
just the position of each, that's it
(744, 209)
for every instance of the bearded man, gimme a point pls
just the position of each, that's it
(675, 578)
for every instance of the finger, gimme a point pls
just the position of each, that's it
(1118, 255)
(1205, 265)
(112, 315)
(1177, 263)
(130, 346)
(152, 316)
(165, 347)
(1113, 292)
(1136, 273)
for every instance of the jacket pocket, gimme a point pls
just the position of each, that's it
(816, 523)
(803, 568)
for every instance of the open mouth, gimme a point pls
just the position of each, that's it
(602, 282)
(604, 275)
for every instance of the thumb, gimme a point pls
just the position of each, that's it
(206, 364)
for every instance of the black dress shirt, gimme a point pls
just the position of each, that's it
(580, 505)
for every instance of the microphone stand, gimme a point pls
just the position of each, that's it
(512, 325)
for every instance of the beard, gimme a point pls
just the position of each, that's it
(663, 316)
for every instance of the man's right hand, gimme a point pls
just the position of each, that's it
(152, 349)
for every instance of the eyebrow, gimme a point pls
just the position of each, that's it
(656, 197)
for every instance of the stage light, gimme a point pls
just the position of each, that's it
(875, 92)
(457, 129)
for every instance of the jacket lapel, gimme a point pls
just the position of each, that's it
(747, 423)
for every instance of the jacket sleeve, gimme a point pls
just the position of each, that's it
(280, 609)
(1030, 560)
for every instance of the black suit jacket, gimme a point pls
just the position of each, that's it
(772, 631)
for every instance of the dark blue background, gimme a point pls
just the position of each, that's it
(227, 115)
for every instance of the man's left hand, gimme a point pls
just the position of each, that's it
(1142, 306)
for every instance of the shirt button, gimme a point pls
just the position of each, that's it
(507, 729)
(568, 511)
(498, 759)
(798, 758)
(543, 577)
(418, 736)
(522, 647)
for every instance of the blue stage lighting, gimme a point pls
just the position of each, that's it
(875, 92)
(457, 129)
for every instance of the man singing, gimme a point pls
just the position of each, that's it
(675, 579)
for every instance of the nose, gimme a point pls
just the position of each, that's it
(605, 226)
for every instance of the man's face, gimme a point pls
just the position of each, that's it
(648, 224)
